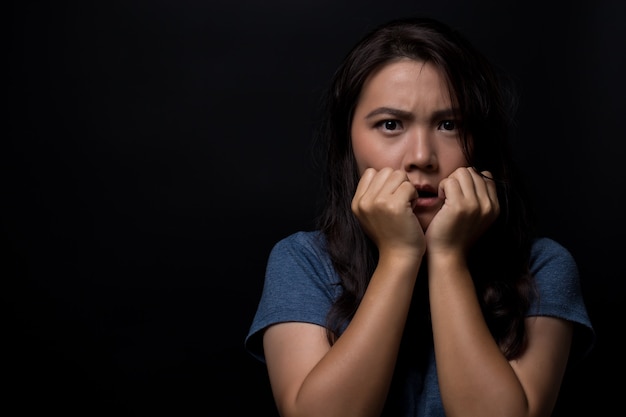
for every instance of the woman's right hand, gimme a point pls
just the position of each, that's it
(383, 204)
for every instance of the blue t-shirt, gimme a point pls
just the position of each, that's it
(301, 284)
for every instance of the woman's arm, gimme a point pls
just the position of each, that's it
(352, 378)
(474, 376)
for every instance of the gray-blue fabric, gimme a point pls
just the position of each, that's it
(301, 284)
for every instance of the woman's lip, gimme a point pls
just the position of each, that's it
(427, 188)
(426, 202)
(428, 198)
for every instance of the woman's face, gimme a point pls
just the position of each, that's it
(404, 119)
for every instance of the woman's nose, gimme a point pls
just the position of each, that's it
(420, 152)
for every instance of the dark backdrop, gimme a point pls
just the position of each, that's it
(156, 150)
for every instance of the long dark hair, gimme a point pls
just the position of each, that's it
(499, 259)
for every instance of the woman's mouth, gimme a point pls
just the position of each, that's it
(426, 198)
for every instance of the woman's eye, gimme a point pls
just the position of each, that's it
(447, 125)
(391, 125)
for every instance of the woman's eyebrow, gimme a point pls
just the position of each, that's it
(406, 115)
(400, 114)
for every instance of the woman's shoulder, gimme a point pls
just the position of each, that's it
(547, 253)
(553, 266)
(303, 238)
(303, 252)
(559, 290)
(312, 242)
(547, 247)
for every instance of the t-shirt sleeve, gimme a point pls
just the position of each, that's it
(299, 286)
(559, 292)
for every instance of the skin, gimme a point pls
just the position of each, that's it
(406, 143)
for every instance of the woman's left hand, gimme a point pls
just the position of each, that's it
(470, 207)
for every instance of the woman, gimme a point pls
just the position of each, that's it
(424, 291)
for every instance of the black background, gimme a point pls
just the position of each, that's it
(156, 150)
